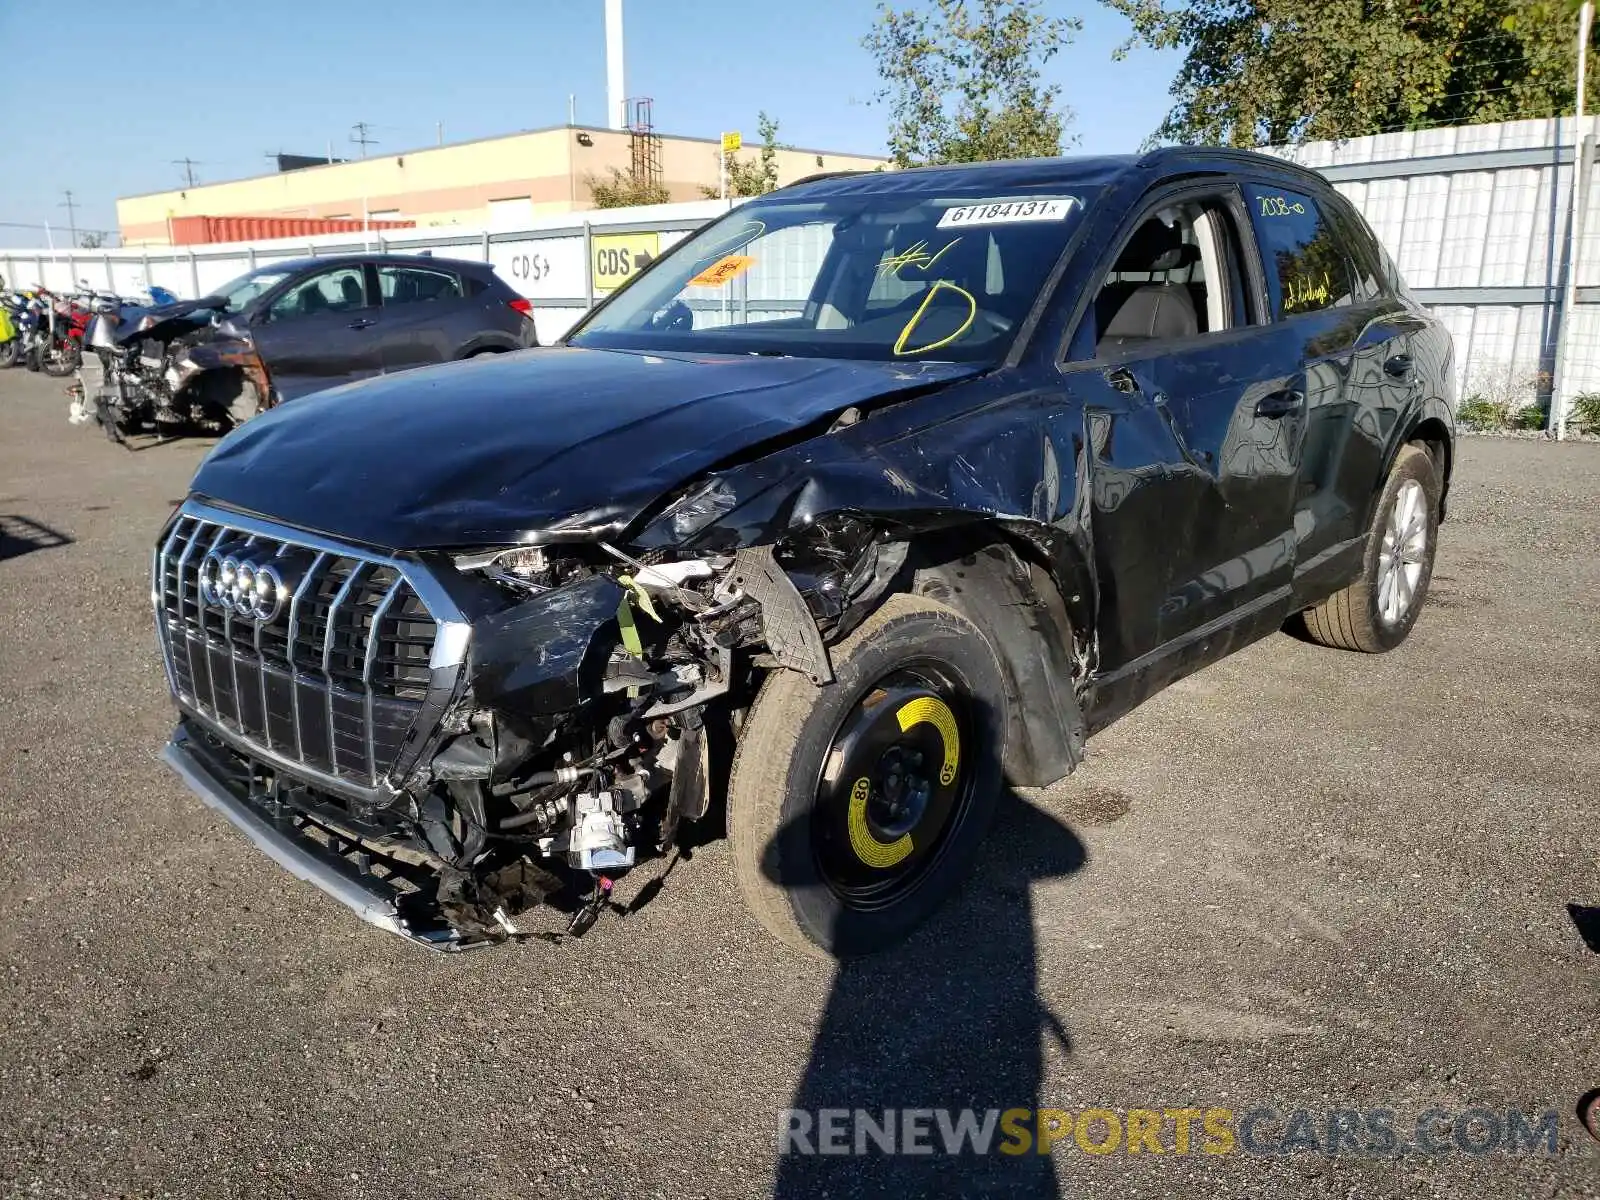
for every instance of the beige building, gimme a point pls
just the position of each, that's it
(497, 182)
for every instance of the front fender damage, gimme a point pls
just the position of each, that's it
(597, 706)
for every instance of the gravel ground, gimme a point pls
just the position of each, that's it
(1302, 878)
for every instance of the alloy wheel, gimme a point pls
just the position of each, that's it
(1403, 553)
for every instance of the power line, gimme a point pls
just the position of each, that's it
(359, 136)
(188, 165)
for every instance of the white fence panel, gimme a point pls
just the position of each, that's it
(1487, 237)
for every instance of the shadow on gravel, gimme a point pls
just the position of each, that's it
(1588, 922)
(22, 535)
(951, 1020)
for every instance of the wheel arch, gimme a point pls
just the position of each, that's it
(1035, 609)
(1432, 426)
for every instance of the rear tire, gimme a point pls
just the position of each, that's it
(9, 353)
(857, 807)
(1378, 610)
(64, 361)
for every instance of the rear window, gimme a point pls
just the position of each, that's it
(1308, 267)
(411, 285)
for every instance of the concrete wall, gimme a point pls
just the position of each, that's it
(494, 182)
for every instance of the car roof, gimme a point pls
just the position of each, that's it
(1032, 173)
(402, 260)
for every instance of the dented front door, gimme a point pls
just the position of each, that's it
(1235, 406)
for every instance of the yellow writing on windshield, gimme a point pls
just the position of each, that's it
(900, 347)
(915, 256)
(728, 243)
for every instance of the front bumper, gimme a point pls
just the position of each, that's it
(348, 870)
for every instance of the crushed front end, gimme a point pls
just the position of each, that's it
(444, 741)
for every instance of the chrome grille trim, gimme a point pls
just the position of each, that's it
(388, 626)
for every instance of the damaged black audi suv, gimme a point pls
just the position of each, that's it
(874, 495)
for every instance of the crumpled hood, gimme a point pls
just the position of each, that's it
(504, 447)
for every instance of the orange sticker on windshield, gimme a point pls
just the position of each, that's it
(724, 271)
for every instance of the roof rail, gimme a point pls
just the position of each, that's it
(1226, 154)
(820, 175)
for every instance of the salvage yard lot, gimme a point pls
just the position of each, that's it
(1303, 878)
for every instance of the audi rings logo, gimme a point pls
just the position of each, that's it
(242, 587)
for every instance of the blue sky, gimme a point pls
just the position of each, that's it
(227, 83)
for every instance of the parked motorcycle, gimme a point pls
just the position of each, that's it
(56, 343)
(11, 305)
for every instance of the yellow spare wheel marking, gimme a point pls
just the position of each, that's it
(936, 713)
(867, 847)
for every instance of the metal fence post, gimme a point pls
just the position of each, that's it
(194, 276)
(588, 263)
(485, 245)
(252, 258)
(1582, 166)
(111, 280)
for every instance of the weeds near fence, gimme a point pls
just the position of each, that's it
(1584, 414)
(1503, 398)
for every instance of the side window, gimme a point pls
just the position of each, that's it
(1308, 269)
(340, 289)
(408, 285)
(1177, 276)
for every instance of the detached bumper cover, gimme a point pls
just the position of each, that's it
(339, 867)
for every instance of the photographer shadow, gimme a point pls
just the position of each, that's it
(950, 1020)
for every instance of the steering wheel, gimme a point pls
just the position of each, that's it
(676, 317)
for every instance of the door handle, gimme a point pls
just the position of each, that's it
(1280, 404)
(1399, 366)
(362, 323)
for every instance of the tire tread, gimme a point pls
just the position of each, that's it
(1344, 620)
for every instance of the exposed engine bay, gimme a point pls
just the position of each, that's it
(166, 370)
(594, 713)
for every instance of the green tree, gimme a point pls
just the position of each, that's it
(624, 190)
(963, 80)
(757, 176)
(1263, 72)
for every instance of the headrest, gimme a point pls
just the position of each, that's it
(1156, 246)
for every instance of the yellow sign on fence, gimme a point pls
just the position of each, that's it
(618, 257)
(731, 142)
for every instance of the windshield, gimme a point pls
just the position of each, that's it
(886, 275)
(238, 292)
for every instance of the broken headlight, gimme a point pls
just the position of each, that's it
(691, 513)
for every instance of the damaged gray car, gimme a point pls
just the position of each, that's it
(870, 497)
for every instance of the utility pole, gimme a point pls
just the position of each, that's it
(188, 165)
(359, 136)
(72, 215)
